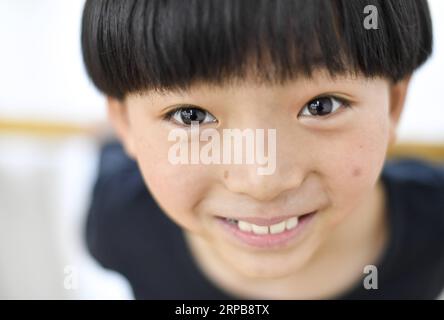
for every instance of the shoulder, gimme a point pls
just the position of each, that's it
(415, 190)
(416, 172)
(117, 174)
(122, 217)
(417, 185)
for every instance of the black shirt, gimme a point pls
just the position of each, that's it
(126, 231)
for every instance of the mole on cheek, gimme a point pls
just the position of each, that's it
(356, 171)
(225, 174)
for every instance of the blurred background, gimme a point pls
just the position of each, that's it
(52, 121)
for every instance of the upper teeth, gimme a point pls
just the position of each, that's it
(273, 229)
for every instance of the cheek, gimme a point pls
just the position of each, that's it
(176, 188)
(354, 163)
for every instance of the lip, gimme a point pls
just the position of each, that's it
(268, 240)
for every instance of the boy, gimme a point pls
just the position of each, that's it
(331, 219)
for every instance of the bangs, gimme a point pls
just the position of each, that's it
(134, 45)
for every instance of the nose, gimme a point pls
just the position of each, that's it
(244, 179)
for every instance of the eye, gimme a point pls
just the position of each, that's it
(184, 115)
(323, 106)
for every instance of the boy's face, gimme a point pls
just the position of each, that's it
(327, 164)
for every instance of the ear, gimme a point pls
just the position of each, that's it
(118, 116)
(398, 93)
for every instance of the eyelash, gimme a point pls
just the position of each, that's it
(169, 115)
(342, 103)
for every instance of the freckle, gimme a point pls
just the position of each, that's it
(356, 172)
(226, 174)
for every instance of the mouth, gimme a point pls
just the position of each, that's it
(260, 232)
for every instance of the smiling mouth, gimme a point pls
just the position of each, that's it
(261, 226)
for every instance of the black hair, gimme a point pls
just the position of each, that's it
(135, 45)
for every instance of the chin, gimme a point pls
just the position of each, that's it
(270, 265)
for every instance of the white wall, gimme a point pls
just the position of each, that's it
(423, 117)
(42, 74)
(45, 189)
